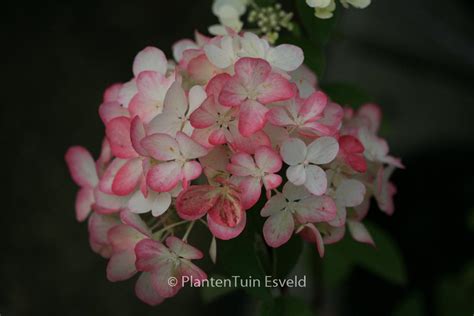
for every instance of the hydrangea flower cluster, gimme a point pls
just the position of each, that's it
(203, 138)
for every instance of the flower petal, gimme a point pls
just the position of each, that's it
(195, 201)
(145, 291)
(278, 229)
(359, 232)
(164, 177)
(251, 189)
(190, 148)
(252, 117)
(183, 249)
(296, 174)
(316, 181)
(350, 192)
(84, 201)
(126, 179)
(121, 266)
(150, 58)
(81, 166)
(323, 150)
(161, 147)
(118, 134)
(293, 151)
(286, 57)
(224, 232)
(275, 88)
(161, 203)
(268, 159)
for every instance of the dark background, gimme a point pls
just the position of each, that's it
(416, 58)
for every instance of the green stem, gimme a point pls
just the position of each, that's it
(158, 233)
(188, 230)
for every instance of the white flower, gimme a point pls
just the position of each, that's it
(360, 4)
(303, 162)
(323, 8)
(228, 12)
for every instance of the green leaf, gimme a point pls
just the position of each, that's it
(346, 94)
(286, 306)
(410, 306)
(211, 293)
(385, 260)
(286, 256)
(335, 267)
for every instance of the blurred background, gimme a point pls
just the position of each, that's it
(415, 58)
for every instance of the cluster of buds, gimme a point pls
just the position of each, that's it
(201, 139)
(271, 20)
(324, 9)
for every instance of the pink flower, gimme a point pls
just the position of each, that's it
(304, 115)
(250, 173)
(294, 205)
(384, 190)
(254, 85)
(123, 239)
(164, 262)
(222, 204)
(351, 151)
(176, 110)
(303, 161)
(376, 148)
(176, 158)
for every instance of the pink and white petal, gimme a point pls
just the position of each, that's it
(151, 255)
(145, 291)
(137, 133)
(275, 204)
(161, 204)
(180, 46)
(201, 136)
(275, 88)
(334, 234)
(161, 146)
(316, 209)
(233, 93)
(314, 105)
(252, 117)
(105, 183)
(272, 181)
(192, 271)
(105, 155)
(165, 123)
(84, 201)
(268, 159)
(110, 110)
(227, 211)
(150, 58)
(182, 248)
(316, 181)
(359, 232)
(252, 71)
(293, 151)
(108, 203)
(164, 177)
(316, 236)
(350, 192)
(99, 226)
(81, 167)
(127, 92)
(372, 114)
(205, 115)
(296, 174)
(191, 170)
(242, 164)
(201, 70)
(215, 85)
(285, 57)
(121, 266)
(189, 148)
(118, 134)
(195, 201)
(153, 86)
(160, 280)
(127, 178)
(278, 229)
(279, 116)
(248, 144)
(224, 232)
(341, 215)
(140, 204)
(217, 137)
(175, 100)
(251, 189)
(135, 221)
(323, 150)
(293, 192)
(112, 92)
(196, 96)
